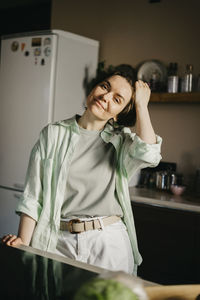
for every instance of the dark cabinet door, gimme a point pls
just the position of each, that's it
(167, 240)
(197, 247)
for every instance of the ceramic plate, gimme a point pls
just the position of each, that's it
(146, 70)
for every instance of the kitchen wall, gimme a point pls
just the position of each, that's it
(131, 31)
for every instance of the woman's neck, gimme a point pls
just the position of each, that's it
(89, 122)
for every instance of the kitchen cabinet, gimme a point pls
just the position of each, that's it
(193, 97)
(169, 242)
(197, 252)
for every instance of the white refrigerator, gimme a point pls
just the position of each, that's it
(42, 79)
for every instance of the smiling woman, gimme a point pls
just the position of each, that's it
(76, 200)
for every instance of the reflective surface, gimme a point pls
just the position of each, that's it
(166, 199)
(26, 275)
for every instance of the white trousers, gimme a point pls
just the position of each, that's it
(107, 248)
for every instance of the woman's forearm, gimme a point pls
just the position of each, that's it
(144, 128)
(26, 228)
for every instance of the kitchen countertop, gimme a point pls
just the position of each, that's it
(29, 273)
(165, 199)
(75, 263)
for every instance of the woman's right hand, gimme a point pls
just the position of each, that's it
(12, 240)
(25, 232)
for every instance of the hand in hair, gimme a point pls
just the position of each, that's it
(142, 94)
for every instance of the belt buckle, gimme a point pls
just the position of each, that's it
(70, 225)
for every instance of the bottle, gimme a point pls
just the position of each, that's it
(172, 85)
(155, 81)
(172, 69)
(187, 80)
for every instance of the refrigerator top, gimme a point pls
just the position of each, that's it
(75, 37)
(62, 33)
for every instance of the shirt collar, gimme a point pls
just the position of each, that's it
(108, 131)
(70, 123)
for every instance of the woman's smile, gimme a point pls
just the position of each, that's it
(98, 103)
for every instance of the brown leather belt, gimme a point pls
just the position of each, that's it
(78, 226)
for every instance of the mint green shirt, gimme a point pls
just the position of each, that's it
(48, 170)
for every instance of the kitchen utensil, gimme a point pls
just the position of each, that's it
(164, 179)
(161, 180)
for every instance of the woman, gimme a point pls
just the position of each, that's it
(76, 200)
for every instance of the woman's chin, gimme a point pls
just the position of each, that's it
(96, 111)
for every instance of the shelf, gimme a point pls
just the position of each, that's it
(175, 97)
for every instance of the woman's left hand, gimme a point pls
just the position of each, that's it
(142, 93)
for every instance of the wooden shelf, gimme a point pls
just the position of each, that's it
(193, 97)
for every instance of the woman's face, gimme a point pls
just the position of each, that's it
(109, 98)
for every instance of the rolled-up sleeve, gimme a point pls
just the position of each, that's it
(31, 201)
(138, 154)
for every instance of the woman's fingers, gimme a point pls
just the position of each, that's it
(16, 242)
(142, 83)
(139, 83)
(8, 239)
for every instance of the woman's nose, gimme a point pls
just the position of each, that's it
(107, 97)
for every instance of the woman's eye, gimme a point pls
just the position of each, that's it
(117, 100)
(104, 86)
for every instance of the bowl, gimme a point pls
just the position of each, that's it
(177, 189)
